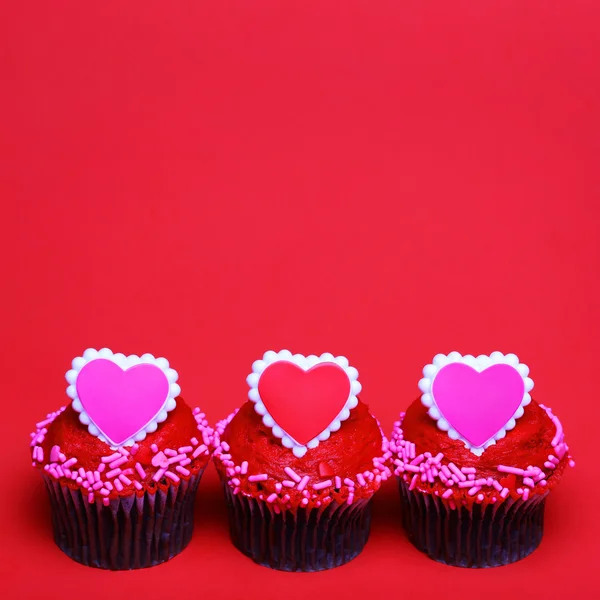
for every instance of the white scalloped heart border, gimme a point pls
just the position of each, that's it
(479, 363)
(305, 363)
(125, 362)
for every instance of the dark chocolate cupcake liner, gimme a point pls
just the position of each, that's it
(132, 532)
(300, 540)
(478, 537)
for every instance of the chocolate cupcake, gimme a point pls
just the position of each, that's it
(122, 462)
(476, 458)
(300, 463)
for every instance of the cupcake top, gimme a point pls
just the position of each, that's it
(126, 431)
(476, 436)
(303, 439)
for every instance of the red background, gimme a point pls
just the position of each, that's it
(208, 180)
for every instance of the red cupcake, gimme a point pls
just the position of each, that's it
(122, 462)
(300, 463)
(476, 458)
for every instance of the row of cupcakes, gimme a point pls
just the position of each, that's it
(475, 458)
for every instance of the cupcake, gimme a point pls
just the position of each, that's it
(300, 462)
(475, 459)
(122, 462)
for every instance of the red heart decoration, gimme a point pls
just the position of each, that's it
(304, 403)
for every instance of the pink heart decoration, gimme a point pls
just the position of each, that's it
(478, 404)
(304, 403)
(120, 402)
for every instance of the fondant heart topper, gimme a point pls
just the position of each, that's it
(303, 399)
(121, 398)
(476, 399)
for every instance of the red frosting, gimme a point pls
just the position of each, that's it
(347, 452)
(528, 444)
(74, 440)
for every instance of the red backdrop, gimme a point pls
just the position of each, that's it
(208, 180)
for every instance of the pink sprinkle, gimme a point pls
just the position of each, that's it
(108, 485)
(118, 485)
(117, 463)
(349, 482)
(225, 446)
(138, 485)
(323, 484)
(512, 470)
(123, 451)
(113, 473)
(107, 459)
(528, 481)
(104, 492)
(185, 462)
(54, 452)
(292, 474)
(90, 477)
(288, 484)
(134, 449)
(303, 483)
(98, 485)
(61, 456)
(101, 467)
(272, 498)
(177, 458)
(235, 481)
(504, 492)
(60, 471)
(278, 487)
(468, 470)
(480, 498)
(124, 479)
(418, 460)
(160, 460)
(549, 465)
(571, 463)
(553, 459)
(182, 470)
(361, 480)
(140, 470)
(194, 441)
(82, 472)
(457, 472)
(412, 469)
(471, 477)
(154, 448)
(338, 482)
(199, 450)
(91, 497)
(185, 449)
(497, 485)
(413, 483)
(465, 484)
(172, 476)
(261, 477)
(447, 494)
(446, 471)
(96, 476)
(474, 490)
(481, 481)
(543, 483)
(41, 424)
(305, 501)
(170, 452)
(244, 468)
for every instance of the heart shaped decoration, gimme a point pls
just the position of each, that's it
(303, 399)
(121, 398)
(476, 400)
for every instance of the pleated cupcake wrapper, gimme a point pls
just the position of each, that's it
(477, 537)
(298, 540)
(132, 532)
